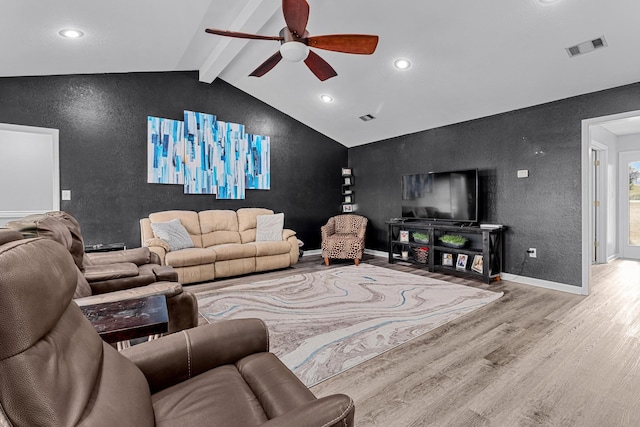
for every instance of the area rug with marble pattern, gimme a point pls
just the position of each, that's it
(325, 322)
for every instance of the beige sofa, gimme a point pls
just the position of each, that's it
(224, 244)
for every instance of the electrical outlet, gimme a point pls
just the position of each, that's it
(533, 252)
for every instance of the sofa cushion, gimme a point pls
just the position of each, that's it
(248, 221)
(271, 248)
(189, 220)
(248, 217)
(219, 227)
(220, 394)
(234, 251)
(174, 233)
(269, 227)
(190, 256)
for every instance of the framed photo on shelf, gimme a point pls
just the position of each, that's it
(346, 171)
(347, 199)
(447, 259)
(477, 264)
(347, 180)
(345, 192)
(347, 208)
(461, 262)
(404, 236)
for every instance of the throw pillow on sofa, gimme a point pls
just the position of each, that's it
(269, 227)
(174, 233)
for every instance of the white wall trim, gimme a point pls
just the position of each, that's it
(376, 253)
(512, 278)
(312, 252)
(556, 286)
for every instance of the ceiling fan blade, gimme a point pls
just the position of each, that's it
(242, 35)
(319, 67)
(296, 15)
(348, 43)
(267, 65)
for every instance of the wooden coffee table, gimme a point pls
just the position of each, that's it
(128, 319)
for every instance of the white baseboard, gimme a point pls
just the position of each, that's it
(312, 252)
(376, 253)
(513, 278)
(556, 286)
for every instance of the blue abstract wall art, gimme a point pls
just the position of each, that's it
(201, 139)
(211, 157)
(165, 156)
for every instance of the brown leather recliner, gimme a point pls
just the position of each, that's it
(105, 272)
(56, 371)
(141, 280)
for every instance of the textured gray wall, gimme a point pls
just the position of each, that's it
(542, 211)
(103, 131)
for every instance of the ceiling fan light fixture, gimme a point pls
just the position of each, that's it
(294, 51)
(402, 64)
(70, 33)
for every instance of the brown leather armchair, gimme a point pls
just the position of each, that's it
(112, 276)
(105, 272)
(56, 370)
(343, 237)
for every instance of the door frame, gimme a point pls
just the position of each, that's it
(587, 212)
(600, 185)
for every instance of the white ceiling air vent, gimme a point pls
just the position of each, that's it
(585, 47)
(367, 117)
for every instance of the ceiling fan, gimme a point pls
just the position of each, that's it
(295, 42)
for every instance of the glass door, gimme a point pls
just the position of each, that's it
(630, 204)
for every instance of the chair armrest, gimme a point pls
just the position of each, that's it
(168, 289)
(328, 229)
(157, 247)
(165, 273)
(138, 256)
(286, 233)
(177, 357)
(118, 270)
(334, 410)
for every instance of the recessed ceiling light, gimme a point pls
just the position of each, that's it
(401, 64)
(70, 33)
(326, 98)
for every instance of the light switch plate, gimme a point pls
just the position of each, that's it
(523, 173)
(66, 194)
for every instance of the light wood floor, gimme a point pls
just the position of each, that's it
(534, 357)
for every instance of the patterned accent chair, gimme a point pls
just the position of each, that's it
(343, 237)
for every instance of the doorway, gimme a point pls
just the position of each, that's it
(592, 224)
(29, 171)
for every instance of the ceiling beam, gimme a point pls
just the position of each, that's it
(251, 19)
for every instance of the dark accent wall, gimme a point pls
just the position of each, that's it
(542, 211)
(103, 131)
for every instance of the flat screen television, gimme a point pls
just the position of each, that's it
(441, 196)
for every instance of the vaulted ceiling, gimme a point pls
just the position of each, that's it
(469, 58)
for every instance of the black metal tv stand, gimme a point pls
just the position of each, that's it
(483, 251)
